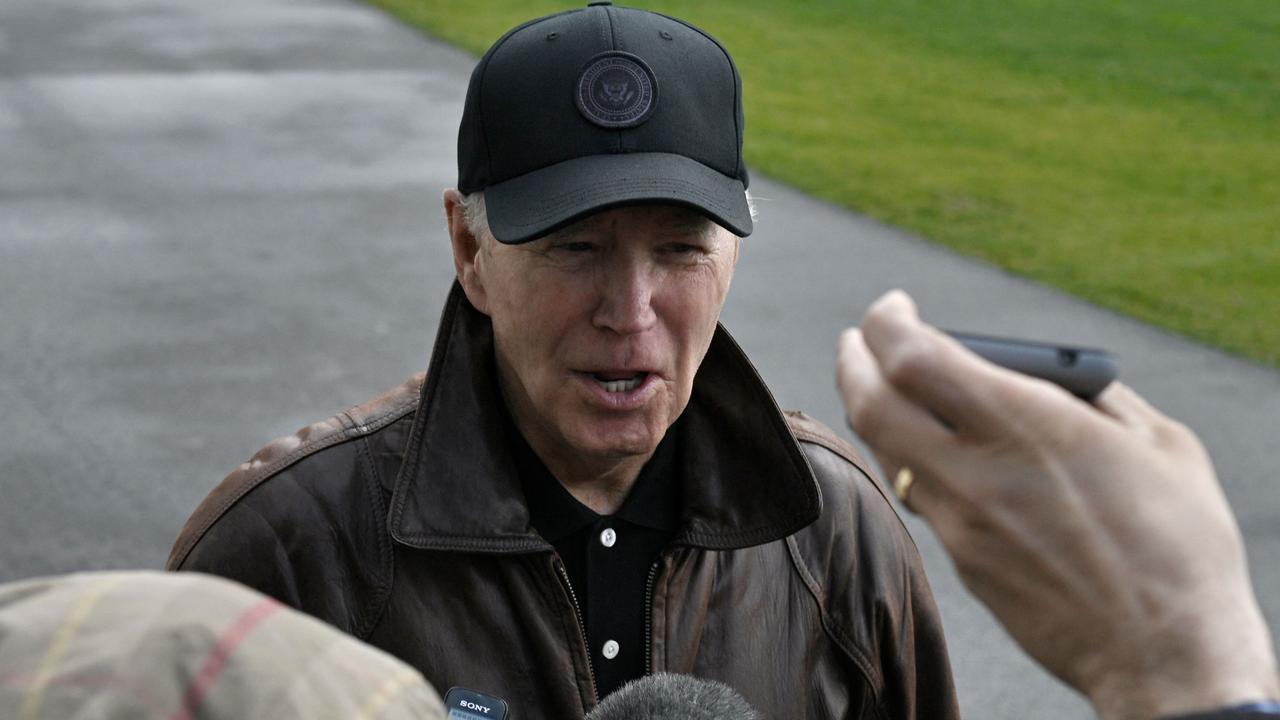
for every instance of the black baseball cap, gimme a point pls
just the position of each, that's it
(603, 106)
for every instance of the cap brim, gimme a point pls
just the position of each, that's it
(536, 203)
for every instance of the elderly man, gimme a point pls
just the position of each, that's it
(592, 483)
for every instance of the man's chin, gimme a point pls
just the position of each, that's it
(618, 443)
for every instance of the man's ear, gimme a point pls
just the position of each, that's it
(466, 251)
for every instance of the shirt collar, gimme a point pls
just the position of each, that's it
(654, 500)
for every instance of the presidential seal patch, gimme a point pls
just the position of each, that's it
(617, 90)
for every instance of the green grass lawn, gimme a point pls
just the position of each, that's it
(1127, 151)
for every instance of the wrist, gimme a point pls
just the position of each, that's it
(1161, 698)
(1219, 661)
(1260, 709)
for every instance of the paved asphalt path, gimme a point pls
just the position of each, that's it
(220, 221)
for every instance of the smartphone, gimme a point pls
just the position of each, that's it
(464, 704)
(1084, 372)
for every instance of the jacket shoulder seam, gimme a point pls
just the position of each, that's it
(386, 556)
(349, 428)
(832, 629)
(808, 430)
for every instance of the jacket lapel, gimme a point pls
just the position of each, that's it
(746, 480)
(458, 488)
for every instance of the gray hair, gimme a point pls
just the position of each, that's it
(477, 218)
(475, 215)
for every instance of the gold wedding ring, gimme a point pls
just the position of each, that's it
(902, 483)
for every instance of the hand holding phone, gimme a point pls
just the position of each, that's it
(1098, 535)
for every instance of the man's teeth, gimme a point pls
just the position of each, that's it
(615, 386)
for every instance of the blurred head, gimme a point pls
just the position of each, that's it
(158, 645)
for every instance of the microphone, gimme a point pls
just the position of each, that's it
(670, 696)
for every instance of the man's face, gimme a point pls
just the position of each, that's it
(600, 327)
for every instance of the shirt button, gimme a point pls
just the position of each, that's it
(608, 537)
(610, 649)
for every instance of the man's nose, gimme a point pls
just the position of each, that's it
(626, 297)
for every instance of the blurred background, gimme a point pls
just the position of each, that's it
(221, 221)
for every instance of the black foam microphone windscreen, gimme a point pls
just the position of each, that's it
(669, 696)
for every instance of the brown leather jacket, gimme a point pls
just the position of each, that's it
(402, 522)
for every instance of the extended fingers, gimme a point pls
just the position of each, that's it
(929, 368)
(1122, 403)
(907, 441)
(898, 430)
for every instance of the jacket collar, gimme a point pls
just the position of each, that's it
(746, 480)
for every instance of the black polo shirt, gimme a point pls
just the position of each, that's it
(608, 557)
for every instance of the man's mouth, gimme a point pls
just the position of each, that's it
(619, 382)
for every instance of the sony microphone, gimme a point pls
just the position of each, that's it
(669, 696)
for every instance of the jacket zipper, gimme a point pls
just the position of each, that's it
(648, 617)
(582, 627)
